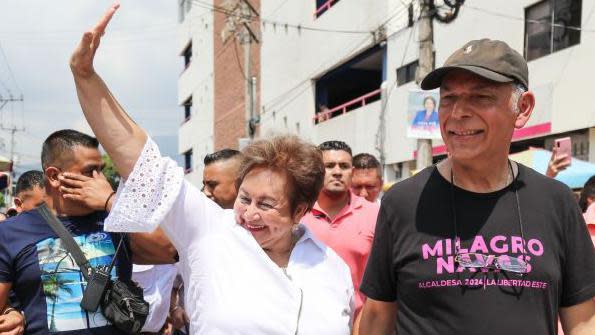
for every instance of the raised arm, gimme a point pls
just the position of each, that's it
(119, 135)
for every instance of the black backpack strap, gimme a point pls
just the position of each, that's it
(67, 240)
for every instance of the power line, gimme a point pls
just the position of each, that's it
(9, 69)
(274, 11)
(275, 23)
(6, 88)
(135, 29)
(397, 12)
(301, 27)
(569, 56)
(220, 9)
(494, 13)
(280, 98)
(381, 132)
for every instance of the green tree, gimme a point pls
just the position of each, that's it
(110, 171)
(52, 285)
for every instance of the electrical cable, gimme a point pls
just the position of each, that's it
(274, 101)
(237, 57)
(273, 22)
(274, 11)
(487, 11)
(9, 69)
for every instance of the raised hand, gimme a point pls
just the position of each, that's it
(119, 135)
(81, 61)
(557, 163)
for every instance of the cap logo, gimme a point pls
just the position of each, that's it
(468, 49)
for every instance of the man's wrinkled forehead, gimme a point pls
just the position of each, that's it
(84, 157)
(367, 172)
(461, 78)
(74, 155)
(336, 156)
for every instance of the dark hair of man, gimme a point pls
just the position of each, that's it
(588, 191)
(221, 155)
(28, 180)
(366, 161)
(335, 145)
(58, 146)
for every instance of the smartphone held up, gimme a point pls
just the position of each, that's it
(563, 147)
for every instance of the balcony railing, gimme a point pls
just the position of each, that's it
(344, 108)
(324, 7)
(186, 119)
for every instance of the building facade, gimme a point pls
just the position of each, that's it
(212, 85)
(345, 69)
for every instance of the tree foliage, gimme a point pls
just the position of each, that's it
(110, 171)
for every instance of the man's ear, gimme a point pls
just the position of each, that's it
(51, 174)
(526, 104)
(18, 203)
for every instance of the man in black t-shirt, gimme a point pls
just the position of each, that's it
(478, 244)
(34, 263)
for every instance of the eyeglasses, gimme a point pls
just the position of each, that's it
(486, 262)
(482, 261)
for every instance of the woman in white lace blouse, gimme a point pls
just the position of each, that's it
(250, 270)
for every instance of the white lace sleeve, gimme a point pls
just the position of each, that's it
(146, 197)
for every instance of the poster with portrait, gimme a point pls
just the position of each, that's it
(422, 114)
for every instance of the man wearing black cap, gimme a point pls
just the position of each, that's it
(478, 244)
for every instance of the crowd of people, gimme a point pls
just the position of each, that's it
(288, 237)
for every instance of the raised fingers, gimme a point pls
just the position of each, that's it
(103, 22)
(560, 158)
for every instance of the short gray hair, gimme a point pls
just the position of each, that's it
(517, 91)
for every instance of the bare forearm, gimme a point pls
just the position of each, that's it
(4, 291)
(152, 248)
(380, 327)
(119, 135)
(377, 317)
(579, 319)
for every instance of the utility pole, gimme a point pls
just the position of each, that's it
(13, 130)
(429, 12)
(240, 16)
(425, 66)
(4, 101)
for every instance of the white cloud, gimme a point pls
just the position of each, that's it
(137, 59)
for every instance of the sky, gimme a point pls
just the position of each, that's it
(137, 58)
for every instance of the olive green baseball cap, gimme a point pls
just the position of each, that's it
(492, 59)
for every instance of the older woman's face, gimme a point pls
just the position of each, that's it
(429, 105)
(263, 208)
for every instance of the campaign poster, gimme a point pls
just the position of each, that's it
(422, 115)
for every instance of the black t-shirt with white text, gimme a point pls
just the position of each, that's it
(412, 259)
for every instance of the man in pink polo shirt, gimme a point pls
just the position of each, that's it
(340, 219)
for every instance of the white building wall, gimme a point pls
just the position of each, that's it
(197, 81)
(291, 58)
(563, 81)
